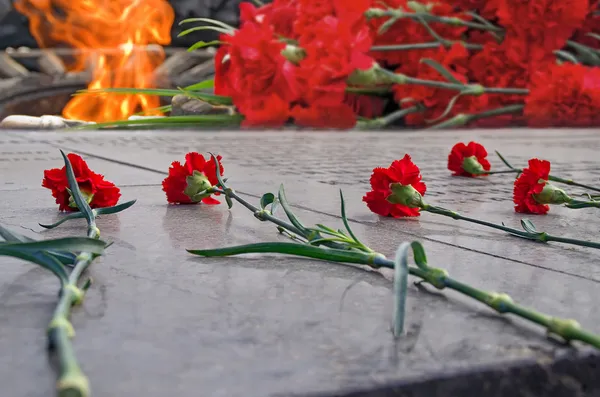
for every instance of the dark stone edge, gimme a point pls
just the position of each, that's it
(575, 373)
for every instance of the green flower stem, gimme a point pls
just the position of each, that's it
(577, 204)
(381, 91)
(439, 278)
(71, 382)
(389, 77)
(572, 183)
(455, 215)
(537, 236)
(550, 177)
(398, 14)
(498, 172)
(464, 119)
(262, 215)
(389, 119)
(421, 46)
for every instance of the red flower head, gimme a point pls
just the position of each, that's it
(250, 68)
(396, 191)
(499, 65)
(532, 191)
(281, 14)
(468, 160)
(544, 24)
(98, 192)
(564, 95)
(187, 184)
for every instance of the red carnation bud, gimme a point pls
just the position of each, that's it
(468, 160)
(192, 182)
(396, 191)
(532, 192)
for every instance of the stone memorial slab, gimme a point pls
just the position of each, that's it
(158, 321)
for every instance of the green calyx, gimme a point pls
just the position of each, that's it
(472, 166)
(551, 195)
(405, 195)
(86, 195)
(198, 187)
(293, 53)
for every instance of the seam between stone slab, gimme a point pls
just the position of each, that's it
(125, 163)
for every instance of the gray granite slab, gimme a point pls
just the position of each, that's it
(160, 322)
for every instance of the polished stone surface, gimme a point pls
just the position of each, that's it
(159, 322)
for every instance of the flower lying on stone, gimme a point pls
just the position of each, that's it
(396, 191)
(468, 160)
(192, 182)
(532, 192)
(98, 192)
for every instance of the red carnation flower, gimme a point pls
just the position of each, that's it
(281, 14)
(187, 184)
(468, 160)
(396, 191)
(250, 68)
(545, 25)
(98, 192)
(564, 95)
(530, 183)
(499, 65)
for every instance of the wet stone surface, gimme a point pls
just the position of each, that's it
(159, 322)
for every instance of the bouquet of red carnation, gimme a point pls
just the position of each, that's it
(372, 63)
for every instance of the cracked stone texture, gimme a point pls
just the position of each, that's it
(159, 322)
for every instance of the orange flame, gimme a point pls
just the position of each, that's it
(112, 35)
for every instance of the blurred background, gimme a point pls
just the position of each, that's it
(49, 49)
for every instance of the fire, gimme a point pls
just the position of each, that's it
(111, 35)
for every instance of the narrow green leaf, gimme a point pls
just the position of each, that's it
(594, 35)
(288, 210)
(400, 288)
(114, 209)
(266, 199)
(566, 56)
(203, 85)
(208, 20)
(419, 255)
(206, 97)
(504, 160)
(203, 44)
(131, 91)
(587, 54)
(217, 170)
(74, 215)
(72, 244)
(200, 28)
(39, 258)
(303, 250)
(448, 109)
(209, 120)
(162, 109)
(66, 258)
(345, 218)
(324, 240)
(441, 70)
(82, 204)
(528, 226)
(13, 237)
